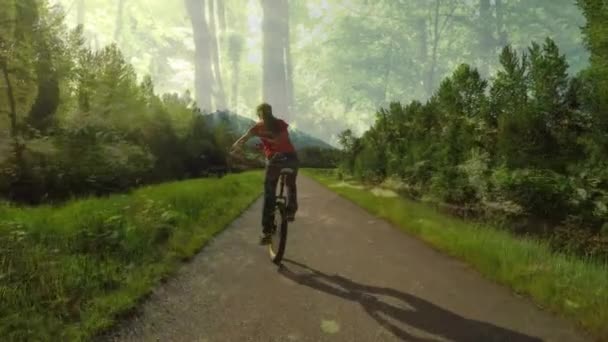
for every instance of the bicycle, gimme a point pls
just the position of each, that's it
(278, 243)
(279, 231)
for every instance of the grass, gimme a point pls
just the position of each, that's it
(68, 272)
(564, 284)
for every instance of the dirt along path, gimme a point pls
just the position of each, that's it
(348, 277)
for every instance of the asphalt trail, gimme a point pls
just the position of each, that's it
(348, 277)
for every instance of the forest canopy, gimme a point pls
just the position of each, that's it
(346, 57)
(527, 143)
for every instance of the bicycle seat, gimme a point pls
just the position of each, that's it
(287, 171)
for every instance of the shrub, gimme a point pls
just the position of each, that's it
(543, 193)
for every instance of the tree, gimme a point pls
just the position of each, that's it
(202, 56)
(439, 27)
(220, 94)
(221, 19)
(275, 28)
(486, 39)
(503, 39)
(120, 7)
(80, 12)
(31, 28)
(12, 113)
(596, 39)
(235, 52)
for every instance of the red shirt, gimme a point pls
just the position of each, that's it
(278, 144)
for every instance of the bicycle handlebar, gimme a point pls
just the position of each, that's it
(237, 158)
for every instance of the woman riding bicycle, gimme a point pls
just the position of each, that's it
(280, 154)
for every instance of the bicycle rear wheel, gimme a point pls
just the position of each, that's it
(279, 235)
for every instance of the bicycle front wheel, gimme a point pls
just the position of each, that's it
(279, 235)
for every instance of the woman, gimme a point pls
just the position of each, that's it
(280, 154)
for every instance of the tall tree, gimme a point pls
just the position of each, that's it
(274, 28)
(119, 19)
(235, 52)
(218, 85)
(430, 84)
(596, 39)
(29, 27)
(80, 12)
(288, 64)
(203, 76)
(422, 40)
(503, 39)
(12, 111)
(486, 40)
(221, 16)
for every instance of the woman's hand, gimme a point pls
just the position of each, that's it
(242, 140)
(238, 145)
(236, 149)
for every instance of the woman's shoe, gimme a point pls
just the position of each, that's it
(290, 217)
(265, 239)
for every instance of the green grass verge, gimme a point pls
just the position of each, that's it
(570, 286)
(67, 272)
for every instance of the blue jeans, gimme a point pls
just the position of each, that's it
(273, 172)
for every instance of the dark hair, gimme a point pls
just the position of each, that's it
(270, 122)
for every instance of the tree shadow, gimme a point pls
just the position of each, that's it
(413, 311)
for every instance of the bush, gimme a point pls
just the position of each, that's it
(103, 132)
(316, 157)
(531, 149)
(543, 193)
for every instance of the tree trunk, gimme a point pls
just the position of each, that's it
(289, 67)
(221, 17)
(203, 77)
(422, 37)
(503, 39)
(274, 80)
(422, 42)
(235, 50)
(45, 106)
(433, 66)
(486, 45)
(11, 99)
(46, 102)
(348, 105)
(235, 86)
(14, 129)
(218, 86)
(387, 74)
(119, 20)
(80, 13)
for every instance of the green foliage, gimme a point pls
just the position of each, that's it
(68, 271)
(355, 58)
(527, 146)
(543, 193)
(89, 126)
(596, 38)
(317, 157)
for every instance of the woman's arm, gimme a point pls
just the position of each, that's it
(242, 140)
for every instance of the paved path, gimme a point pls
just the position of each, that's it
(348, 277)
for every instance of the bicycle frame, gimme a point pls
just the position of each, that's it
(280, 199)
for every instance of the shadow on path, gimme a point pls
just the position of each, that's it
(412, 311)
